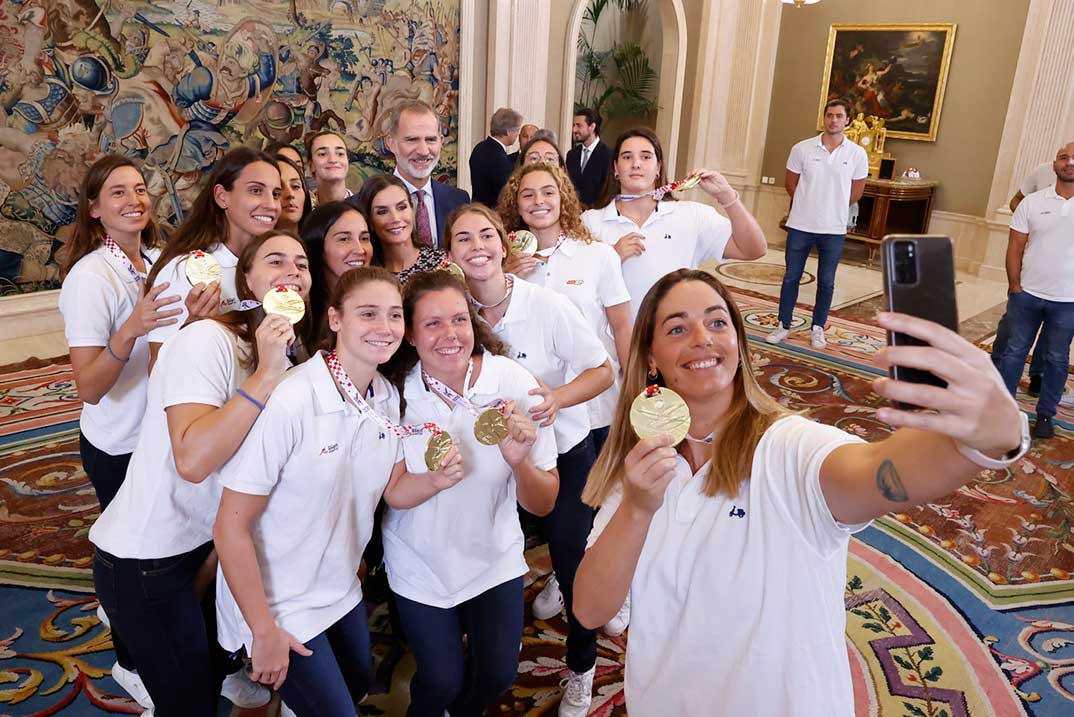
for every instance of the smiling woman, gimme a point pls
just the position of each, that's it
(240, 201)
(384, 200)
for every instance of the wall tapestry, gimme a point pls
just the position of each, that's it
(175, 84)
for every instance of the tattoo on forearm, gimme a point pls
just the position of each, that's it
(888, 483)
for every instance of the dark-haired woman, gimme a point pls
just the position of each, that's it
(733, 544)
(337, 240)
(154, 542)
(387, 205)
(295, 202)
(106, 315)
(453, 545)
(241, 200)
(317, 460)
(670, 234)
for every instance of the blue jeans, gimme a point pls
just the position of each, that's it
(829, 249)
(1055, 320)
(169, 630)
(999, 345)
(446, 678)
(336, 677)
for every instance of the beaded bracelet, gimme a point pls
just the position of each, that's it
(251, 399)
(732, 202)
(108, 348)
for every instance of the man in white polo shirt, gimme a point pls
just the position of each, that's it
(1040, 278)
(825, 175)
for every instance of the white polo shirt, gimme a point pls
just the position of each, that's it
(730, 594)
(97, 297)
(174, 272)
(549, 337)
(466, 539)
(1042, 177)
(157, 514)
(822, 200)
(591, 276)
(678, 235)
(1048, 262)
(323, 467)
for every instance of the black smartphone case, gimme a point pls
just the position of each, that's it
(931, 297)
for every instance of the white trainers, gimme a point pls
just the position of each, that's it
(103, 616)
(132, 684)
(778, 335)
(577, 693)
(286, 711)
(244, 693)
(618, 624)
(549, 601)
(1067, 401)
(816, 337)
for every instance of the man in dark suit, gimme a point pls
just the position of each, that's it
(589, 161)
(490, 165)
(415, 140)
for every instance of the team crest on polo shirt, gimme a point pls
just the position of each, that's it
(575, 282)
(520, 354)
(737, 512)
(331, 448)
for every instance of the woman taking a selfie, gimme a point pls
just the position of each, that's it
(154, 551)
(734, 543)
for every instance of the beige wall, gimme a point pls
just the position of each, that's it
(979, 84)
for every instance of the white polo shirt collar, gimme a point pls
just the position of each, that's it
(330, 400)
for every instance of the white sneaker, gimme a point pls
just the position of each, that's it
(778, 335)
(244, 693)
(1067, 401)
(577, 693)
(103, 617)
(549, 601)
(816, 337)
(618, 624)
(286, 711)
(132, 684)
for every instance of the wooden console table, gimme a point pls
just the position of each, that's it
(891, 206)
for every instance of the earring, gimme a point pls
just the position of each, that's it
(652, 375)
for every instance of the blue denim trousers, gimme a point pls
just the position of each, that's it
(829, 249)
(1026, 314)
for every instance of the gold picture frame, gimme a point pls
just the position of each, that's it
(897, 72)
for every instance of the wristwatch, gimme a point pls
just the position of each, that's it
(975, 456)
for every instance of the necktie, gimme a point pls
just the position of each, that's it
(585, 158)
(421, 216)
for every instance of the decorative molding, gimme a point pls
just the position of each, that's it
(518, 34)
(467, 37)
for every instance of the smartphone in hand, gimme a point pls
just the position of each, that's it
(919, 279)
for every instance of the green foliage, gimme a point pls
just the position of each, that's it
(617, 81)
(914, 709)
(855, 583)
(933, 675)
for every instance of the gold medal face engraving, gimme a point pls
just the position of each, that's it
(490, 427)
(664, 413)
(286, 302)
(201, 268)
(436, 450)
(523, 242)
(690, 182)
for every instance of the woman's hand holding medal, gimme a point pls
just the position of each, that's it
(273, 337)
(203, 301)
(648, 468)
(547, 410)
(716, 186)
(520, 264)
(450, 472)
(521, 435)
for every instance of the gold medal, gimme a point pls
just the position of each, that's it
(490, 427)
(453, 269)
(660, 411)
(523, 242)
(690, 182)
(286, 302)
(201, 268)
(438, 447)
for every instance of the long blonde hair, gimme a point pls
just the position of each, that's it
(751, 412)
(570, 207)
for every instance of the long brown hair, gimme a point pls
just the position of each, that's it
(420, 284)
(369, 191)
(244, 323)
(206, 225)
(350, 281)
(570, 207)
(611, 188)
(751, 412)
(89, 233)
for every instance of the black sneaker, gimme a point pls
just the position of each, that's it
(1034, 386)
(1044, 428)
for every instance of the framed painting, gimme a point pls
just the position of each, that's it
(896, 72)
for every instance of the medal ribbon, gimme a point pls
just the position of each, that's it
(364, 409)
(509, 286)
(659, 192)
(453, 396)
(114, 250)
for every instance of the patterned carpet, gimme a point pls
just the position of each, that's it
(961, 607)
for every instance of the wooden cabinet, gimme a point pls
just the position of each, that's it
(892, 206)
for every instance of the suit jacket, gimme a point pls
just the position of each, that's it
(589, 183)
(445, 199)
(489, 169)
